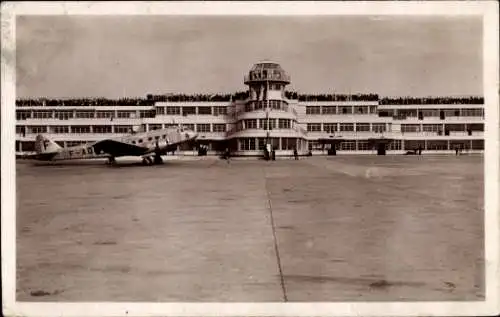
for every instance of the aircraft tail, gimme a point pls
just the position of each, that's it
(45, 145)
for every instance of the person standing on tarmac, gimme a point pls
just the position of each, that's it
(226, 154)
(295, 153)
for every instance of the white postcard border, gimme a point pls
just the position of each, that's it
(489, 11)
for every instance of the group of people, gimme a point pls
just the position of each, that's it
(240, 95)
(269, 154)
(433, 101)
(89, 102)
(337, 97)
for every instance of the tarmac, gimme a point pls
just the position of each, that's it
(345, 228)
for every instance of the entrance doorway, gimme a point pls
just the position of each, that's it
(381, 149)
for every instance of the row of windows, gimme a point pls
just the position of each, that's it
(266, 124)
(200, 127)
(359, 127)
(254, 144)
(421, 114)
(256, 105)
(396, 145)
(441, 127)
(444, 144)
(251, 144)
(203, 127)
(256, 89)
(85, 114)
(382, 127)
(400, 113)
(73, 129)
(272, 104)
(438, 112)
(190, 110)
(353, 145)
(271, 75)
(341, 109)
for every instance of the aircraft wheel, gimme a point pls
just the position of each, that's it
(158, 159)
(111, 161)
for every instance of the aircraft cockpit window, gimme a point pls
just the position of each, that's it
(150, 138)
(133, 142)
(140, 141)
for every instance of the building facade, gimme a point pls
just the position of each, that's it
(266, 113)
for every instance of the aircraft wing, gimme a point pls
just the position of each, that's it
(117, 148)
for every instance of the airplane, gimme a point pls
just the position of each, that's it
(148, 145)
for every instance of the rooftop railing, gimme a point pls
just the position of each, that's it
(89, 102)
(334, 97)
(243, 95)
(148, 101)
(432, 101)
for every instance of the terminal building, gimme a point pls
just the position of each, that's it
(266, 113)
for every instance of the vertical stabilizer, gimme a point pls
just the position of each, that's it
(45, 145)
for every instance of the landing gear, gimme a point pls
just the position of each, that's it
(147, 161)
(158, 159)
(111, 160)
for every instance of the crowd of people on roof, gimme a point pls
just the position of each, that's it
(83, 102)
(242, 95)
(432, 101)
(338, 97)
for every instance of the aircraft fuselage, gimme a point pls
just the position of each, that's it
(145, 144)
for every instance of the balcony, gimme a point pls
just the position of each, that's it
(435, 133)
(288, 133)
(80, 121)
(396, 135)
(450, 119)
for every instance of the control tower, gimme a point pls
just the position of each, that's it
(268, 121)
(267, 81)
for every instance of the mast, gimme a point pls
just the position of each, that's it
(267, 110)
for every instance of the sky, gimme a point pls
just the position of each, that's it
(131, 56)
